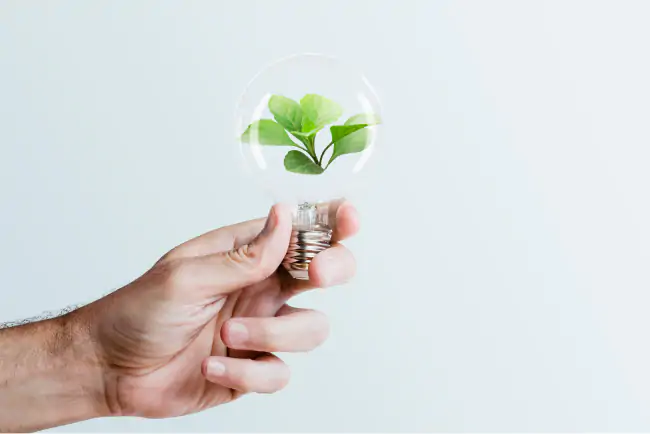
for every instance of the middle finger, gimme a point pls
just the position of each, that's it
(293, 330)
(330, 267)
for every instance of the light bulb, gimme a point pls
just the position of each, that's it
(306, 126)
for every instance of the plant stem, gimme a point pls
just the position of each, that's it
(311, 154)
(302, 149)
(320, 161)
(311, 147)
(306, 147)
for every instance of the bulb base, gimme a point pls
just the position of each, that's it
(303, 247)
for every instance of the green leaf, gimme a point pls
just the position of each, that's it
(286, 112)
(350, 143)
(318, 111)
(298, 162)
(266, 132)
(364, 118)
(340, 131)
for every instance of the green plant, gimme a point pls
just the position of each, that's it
(303, 121)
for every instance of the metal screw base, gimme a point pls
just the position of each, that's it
(304, 245)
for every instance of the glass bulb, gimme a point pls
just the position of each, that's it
(306, 126)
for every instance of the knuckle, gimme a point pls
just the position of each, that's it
(250, 258)
(322, 328)
(283, 379)
(276, 379)
(269, 336)
(245, 383)
(174, 254)
(245, 256)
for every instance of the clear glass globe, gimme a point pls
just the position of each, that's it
(306, 126)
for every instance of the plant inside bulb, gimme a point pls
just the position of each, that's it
(297, 125)
(306, 126)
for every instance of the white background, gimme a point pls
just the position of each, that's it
(503, 260)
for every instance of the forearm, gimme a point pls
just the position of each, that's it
(49, 376)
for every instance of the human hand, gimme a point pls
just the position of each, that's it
(199, 328)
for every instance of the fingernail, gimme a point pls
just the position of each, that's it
(237, 332)
(215, 368)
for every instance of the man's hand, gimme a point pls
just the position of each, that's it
(199, 328)
(195, 331)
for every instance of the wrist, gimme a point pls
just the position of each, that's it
(79, 350)
(49, 375)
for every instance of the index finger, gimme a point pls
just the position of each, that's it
(343, 218)
(218, 240)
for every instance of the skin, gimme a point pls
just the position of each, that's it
(197, 330)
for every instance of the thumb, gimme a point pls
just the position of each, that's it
(252, 262)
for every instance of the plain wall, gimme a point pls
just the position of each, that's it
(503, 260)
